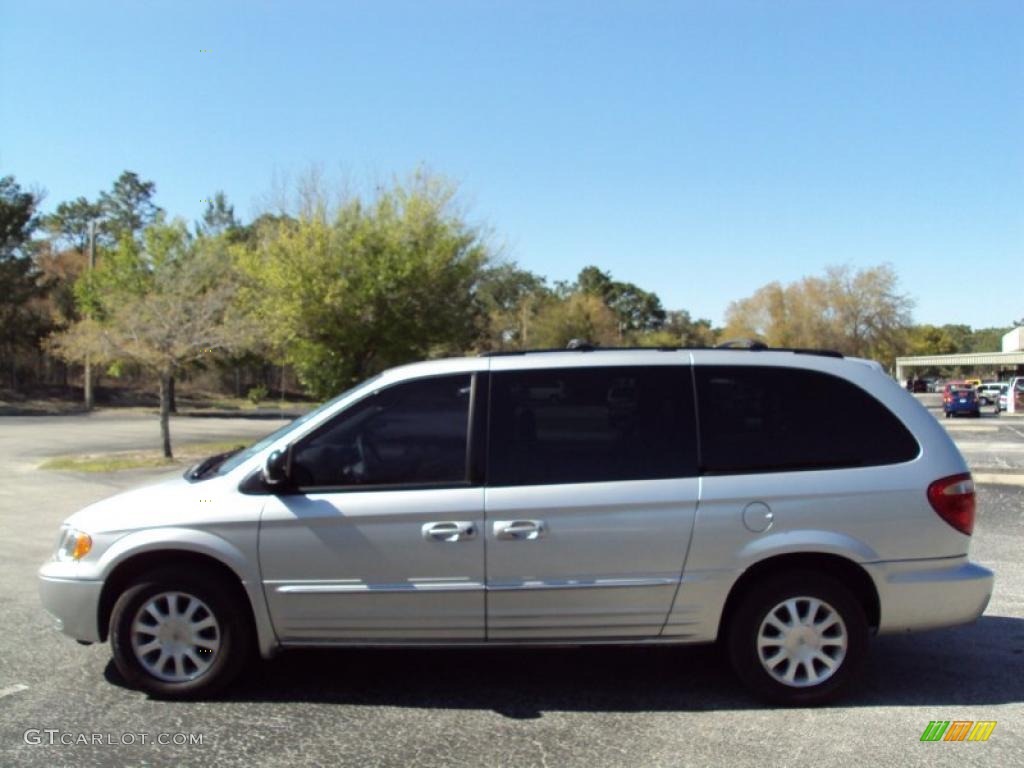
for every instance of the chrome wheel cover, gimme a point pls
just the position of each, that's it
(175, 637)
(802, 642)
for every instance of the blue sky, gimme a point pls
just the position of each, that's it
(699, 150)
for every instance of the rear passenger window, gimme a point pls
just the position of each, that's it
(760, 419)
(587, 425)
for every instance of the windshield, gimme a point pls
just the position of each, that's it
(243, 456)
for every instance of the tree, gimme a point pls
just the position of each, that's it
(988, 339)
(68, 225)
(344, 293)
(659, 338)
(687, 331)
(219, 218)
(596, 282)
(929, 340)
(162, 303)
(679, 330)
(59, 270)
(509, 297)
(635, 308)
(20, 322)
(128, 208)
(17, 217)
(960, 335)
(870, 314)
(857, 313)
(761, 316)
(580, 316)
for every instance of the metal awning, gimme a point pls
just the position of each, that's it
(964, 359)
(968, 359)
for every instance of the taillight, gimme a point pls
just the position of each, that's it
(953, 498)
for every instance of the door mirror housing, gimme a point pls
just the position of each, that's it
(275, 469)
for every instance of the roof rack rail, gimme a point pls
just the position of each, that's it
(757, 347)
(578, 348)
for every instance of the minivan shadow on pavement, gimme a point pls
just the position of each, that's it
(979, 664)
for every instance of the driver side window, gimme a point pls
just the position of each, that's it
(413, 433)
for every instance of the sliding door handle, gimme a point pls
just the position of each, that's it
(519, 530)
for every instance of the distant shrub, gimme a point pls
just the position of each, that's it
(257, 394)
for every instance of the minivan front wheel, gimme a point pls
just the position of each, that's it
(178, 635)
(798, 638)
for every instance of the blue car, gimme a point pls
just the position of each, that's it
(960, 399)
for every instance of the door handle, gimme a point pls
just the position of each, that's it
(449, 531)
(519, 530)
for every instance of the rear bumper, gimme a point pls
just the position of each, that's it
(73, 604)
(928, 594)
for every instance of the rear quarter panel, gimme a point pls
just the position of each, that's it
(865, 514)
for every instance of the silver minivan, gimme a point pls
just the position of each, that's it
(786, 503)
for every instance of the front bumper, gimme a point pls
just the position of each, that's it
(928, 594)
(73, 603)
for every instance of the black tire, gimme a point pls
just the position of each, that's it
(949, 415)
(752, 612)
(233, 632)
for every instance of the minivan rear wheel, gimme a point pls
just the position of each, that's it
(798, 638)
(179, 635)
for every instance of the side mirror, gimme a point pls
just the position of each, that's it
(275, 470)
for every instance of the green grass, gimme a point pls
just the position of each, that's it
(115, 461)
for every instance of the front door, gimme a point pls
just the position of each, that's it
(380, 538)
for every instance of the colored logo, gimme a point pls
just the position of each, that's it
(958, 730)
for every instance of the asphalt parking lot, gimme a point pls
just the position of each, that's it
(565, 707)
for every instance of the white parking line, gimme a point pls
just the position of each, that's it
(997, 479)
(972, 428)
(10, 689)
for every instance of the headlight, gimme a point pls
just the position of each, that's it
(73, 544)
